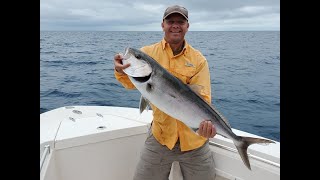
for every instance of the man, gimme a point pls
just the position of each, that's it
(169, 139)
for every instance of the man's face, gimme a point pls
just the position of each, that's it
(175, 27)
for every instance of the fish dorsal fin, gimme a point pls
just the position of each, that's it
(197, 89)
(144, 104)
(222, 117)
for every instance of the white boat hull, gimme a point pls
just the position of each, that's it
(99, 143)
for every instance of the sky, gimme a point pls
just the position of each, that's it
(146, 15)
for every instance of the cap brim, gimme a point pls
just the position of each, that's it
(175, 12)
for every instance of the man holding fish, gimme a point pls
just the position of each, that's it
(170, 139)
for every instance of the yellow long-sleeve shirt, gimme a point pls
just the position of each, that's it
(191, 67)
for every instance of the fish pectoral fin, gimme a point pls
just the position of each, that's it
(144, 104)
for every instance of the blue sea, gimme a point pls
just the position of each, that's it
(76, 68)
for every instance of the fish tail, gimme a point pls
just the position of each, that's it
(243, 144)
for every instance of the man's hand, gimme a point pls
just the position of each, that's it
(207, 129)
(118, 66)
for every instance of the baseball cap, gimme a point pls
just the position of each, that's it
(176, 9)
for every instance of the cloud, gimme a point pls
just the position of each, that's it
(147, 15)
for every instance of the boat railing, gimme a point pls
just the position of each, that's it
(44, 155)
(251, 155)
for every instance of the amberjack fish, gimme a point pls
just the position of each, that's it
(165, 91)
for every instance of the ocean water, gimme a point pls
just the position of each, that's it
(76, 68)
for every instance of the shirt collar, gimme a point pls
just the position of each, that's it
(164, 43)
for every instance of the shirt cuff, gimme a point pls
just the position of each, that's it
(118, 73)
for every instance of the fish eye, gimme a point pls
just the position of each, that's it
(138, 56)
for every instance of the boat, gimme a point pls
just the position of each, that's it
(104, 143)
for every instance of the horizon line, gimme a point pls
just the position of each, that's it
(153, 30)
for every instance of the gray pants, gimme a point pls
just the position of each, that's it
(156, 160)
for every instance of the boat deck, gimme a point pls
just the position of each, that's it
(175, 173)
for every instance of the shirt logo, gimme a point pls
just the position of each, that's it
(189, 64)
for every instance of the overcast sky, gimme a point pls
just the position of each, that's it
(146, 15)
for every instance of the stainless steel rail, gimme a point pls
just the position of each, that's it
(44, 155)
